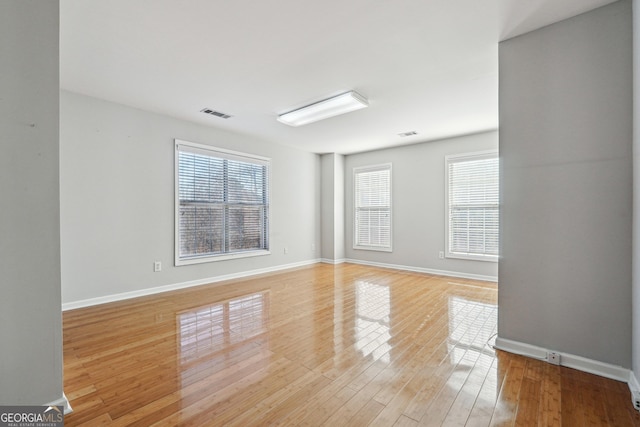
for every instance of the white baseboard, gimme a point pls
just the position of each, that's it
(64, 402)
(634, 385)
(209, 280)
(580, 363)
(332, 261)
(524, 349)
(425, 270)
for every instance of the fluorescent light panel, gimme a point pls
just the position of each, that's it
(335, 106)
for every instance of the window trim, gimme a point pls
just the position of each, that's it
(373, 168)
(476, 155)
(211, 150)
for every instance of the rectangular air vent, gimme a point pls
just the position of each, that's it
(215, 113)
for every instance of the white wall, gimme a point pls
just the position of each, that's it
(117, 200)
(566, 182)
(418, 211)
(31, 327)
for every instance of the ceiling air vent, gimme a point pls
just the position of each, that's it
(411, 133)
(215, 113)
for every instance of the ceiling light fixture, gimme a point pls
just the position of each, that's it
(324, 109)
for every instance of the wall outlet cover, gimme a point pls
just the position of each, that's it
(553, 358)
(635, 399)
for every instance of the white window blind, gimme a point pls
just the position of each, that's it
(222, 205)
(372, 207)
(472, 206)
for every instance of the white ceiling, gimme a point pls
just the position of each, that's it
(429, 66)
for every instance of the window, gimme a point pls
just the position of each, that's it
(222, 204)
(472, 206)
(372, 208)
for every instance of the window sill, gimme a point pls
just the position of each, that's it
(373, 248)
(215, 258)
(487, 258)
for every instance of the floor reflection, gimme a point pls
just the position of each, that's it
(213, 328)
(471, 325)
(373, 309)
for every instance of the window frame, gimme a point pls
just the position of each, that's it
(372, 168)
(226, 154)
(458, 158)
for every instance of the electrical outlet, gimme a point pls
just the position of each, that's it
(635, 399)
(313, 247)
(286, 250)
(157, 266)
(553, 358)
(441, 255)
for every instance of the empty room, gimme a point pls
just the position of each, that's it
(320, 213)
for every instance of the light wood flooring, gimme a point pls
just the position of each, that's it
(320, 345)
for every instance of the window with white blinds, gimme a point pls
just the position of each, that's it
(372, 189)
(472, 183)
(222, 204)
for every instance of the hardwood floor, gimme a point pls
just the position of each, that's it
(321, 345)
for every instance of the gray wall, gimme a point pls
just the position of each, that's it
(327, 162)
(117, 199)
(332, 207)
(31, 327)
(566, 182)
(418, 211)
(338, 202)
(635, 365)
